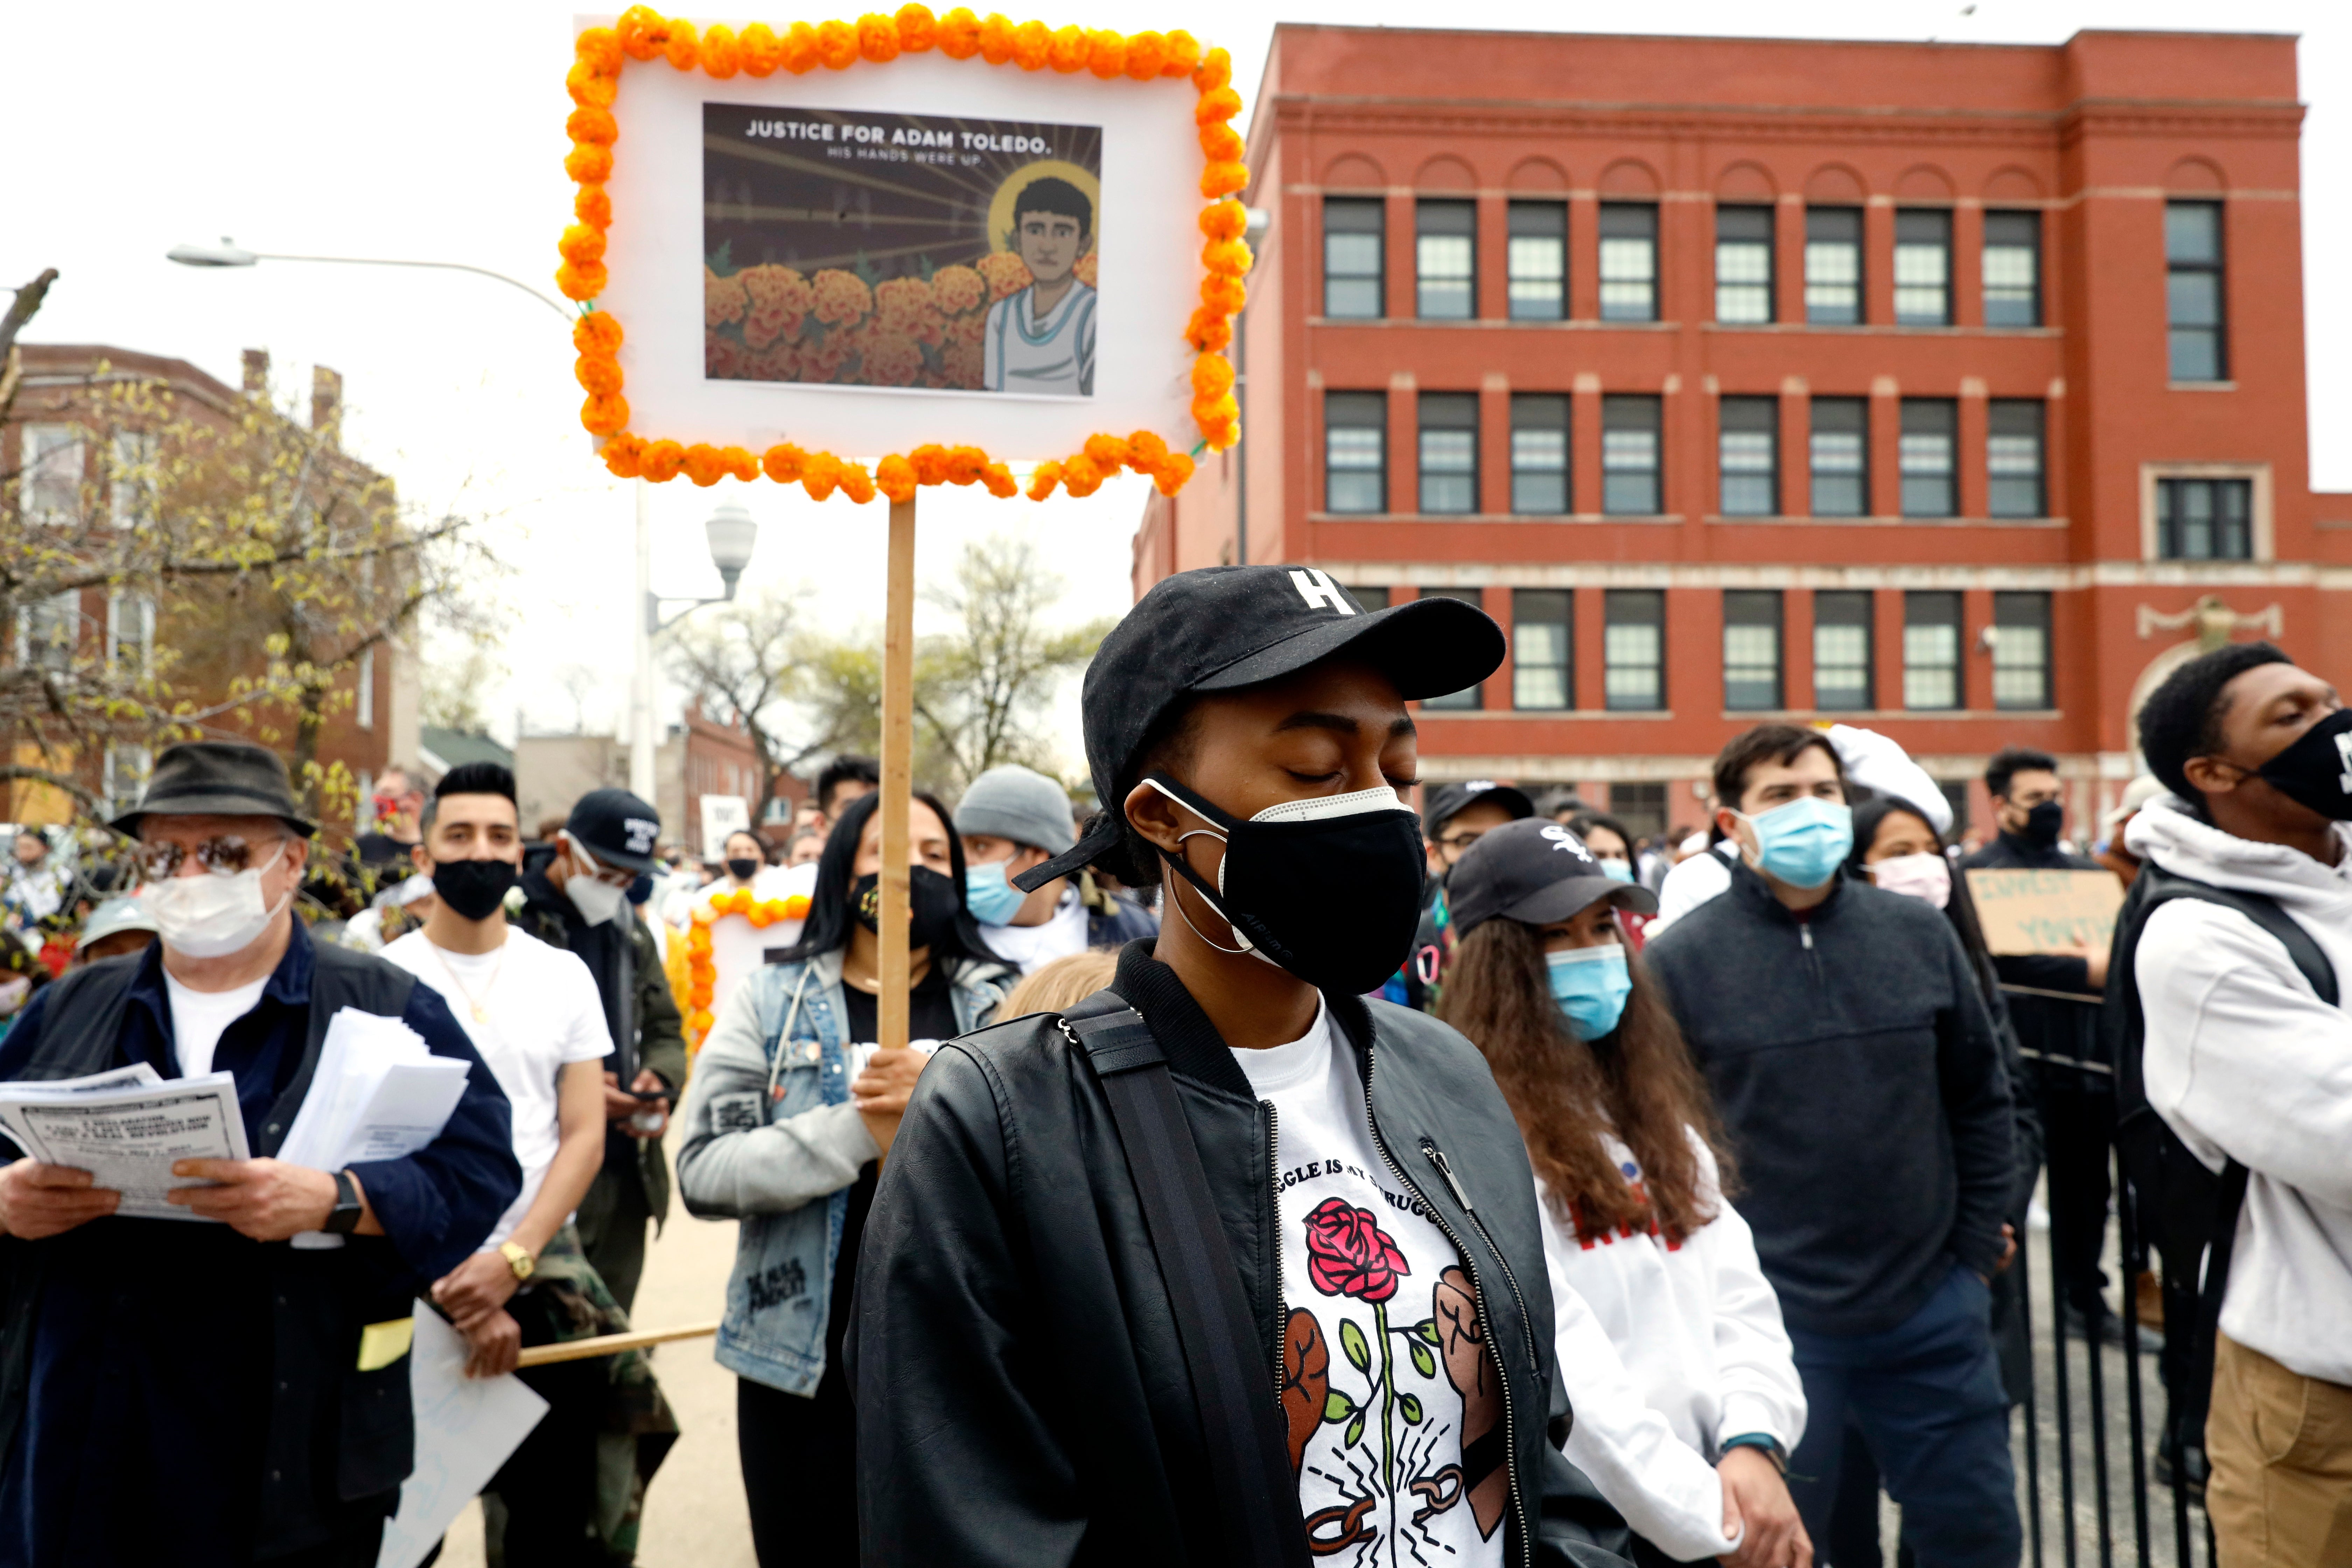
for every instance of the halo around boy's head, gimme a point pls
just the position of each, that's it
(1048, 184)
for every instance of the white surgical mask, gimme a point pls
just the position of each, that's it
(208, 915)
(596, 901)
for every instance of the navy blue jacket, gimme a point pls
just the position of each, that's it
(189, 1395)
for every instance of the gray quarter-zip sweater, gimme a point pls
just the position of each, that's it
(1858, 1074)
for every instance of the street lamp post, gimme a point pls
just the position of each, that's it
(731, 529)
(732, 533)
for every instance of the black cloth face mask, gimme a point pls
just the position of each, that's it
(743, 871)
(1327, 888)
(932, 895)
(2315, 770)
(472, 889)
(2043, 822)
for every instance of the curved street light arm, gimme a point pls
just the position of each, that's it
(439, 266)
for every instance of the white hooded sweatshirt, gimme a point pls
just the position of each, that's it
(2244, 1061)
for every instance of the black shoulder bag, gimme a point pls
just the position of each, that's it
(1249, 1462)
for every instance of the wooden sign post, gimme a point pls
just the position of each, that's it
(897, 777)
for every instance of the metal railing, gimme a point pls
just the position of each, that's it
(2102, 1464)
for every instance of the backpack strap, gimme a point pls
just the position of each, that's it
(1249, 1463)
(2153, 887)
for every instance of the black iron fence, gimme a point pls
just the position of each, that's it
(2102, 1477)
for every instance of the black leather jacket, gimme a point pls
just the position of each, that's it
(1021, 1391)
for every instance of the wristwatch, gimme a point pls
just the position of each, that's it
(519, 1258)
(1763, 1442)
(344, 1217)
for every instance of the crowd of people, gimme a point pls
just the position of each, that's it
(1272, 1174)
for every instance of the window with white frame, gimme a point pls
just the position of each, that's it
(1630, 468)
(1842, 633)
(1449, 453)
(2021, 650)
(365, 681)
(1931, 649)
(50, 459)
(1445, 260)
(127, 767)
(1930, 432)
(1747, 456)
(1751, 650)
(1633, 651)
(2012, 269)
(130, 632)
(2013, 461)
(131, 479)
(1833, 266)
(48, 631)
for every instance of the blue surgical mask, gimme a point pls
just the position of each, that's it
(1617, 871)
(1591, 985)
(1804, 842)
(993, 901)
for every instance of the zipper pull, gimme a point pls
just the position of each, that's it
(1445, 1169)
(1805, 930)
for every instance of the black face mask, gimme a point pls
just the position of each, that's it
(472, 889)
(2043, 822)
(743, 871)
(932, 895)
(1333, 898)
(2316, 768)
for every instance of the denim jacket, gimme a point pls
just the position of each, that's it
(770, 1133)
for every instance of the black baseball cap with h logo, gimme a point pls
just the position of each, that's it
(1220, 629)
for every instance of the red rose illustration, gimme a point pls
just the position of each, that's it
(1348, 1254)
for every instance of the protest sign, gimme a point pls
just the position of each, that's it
(909, 238)
(2027, 913)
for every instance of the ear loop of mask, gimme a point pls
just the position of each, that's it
(1238, 934)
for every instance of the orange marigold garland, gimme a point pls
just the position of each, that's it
(642, 34)
(702, 968)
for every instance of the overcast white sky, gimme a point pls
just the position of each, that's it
(435, 130)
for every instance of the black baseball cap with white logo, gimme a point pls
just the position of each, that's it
(1449, 801)
(1535, 871)
(1220, 628)
(617, 828)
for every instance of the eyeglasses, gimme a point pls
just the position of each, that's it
(223, 857)
(1459, 842)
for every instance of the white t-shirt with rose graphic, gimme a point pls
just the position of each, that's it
(1395, 1413)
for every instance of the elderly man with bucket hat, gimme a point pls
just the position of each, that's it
(205, 1393)
(575, 895)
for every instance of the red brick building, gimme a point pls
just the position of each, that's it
(65, 448)
(1929, 387)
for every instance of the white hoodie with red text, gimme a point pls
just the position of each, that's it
(2244, 1060)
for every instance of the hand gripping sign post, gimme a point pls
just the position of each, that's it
(956, 241)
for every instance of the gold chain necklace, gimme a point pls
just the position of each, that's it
(480, 1009)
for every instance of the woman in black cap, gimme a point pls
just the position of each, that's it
(1225, 1265)
(790, 1108)
(1687, 1395)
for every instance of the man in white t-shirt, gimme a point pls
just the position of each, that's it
(533, 1013)
(1011, 819)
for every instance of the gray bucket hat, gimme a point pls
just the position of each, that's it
(218, 778)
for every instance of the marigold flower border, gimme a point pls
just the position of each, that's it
(702, 968)
(643, 34)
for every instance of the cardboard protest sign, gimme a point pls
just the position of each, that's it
(2027, 912)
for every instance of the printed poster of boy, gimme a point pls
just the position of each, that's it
(899, 250)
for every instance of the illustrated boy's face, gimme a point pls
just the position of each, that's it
(1051, 243)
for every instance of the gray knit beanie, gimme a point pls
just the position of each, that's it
(1019, 804)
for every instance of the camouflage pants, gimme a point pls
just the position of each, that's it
(635, 1427)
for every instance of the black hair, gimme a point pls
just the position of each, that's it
(1868, 815)
(1585, 821)
(1051, 195)
(830, 915)
(846, 769)
(2012, 760)
(1167, 748)
(470, 778)
(1781, 744)
(732, 833)
(2183, 718)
